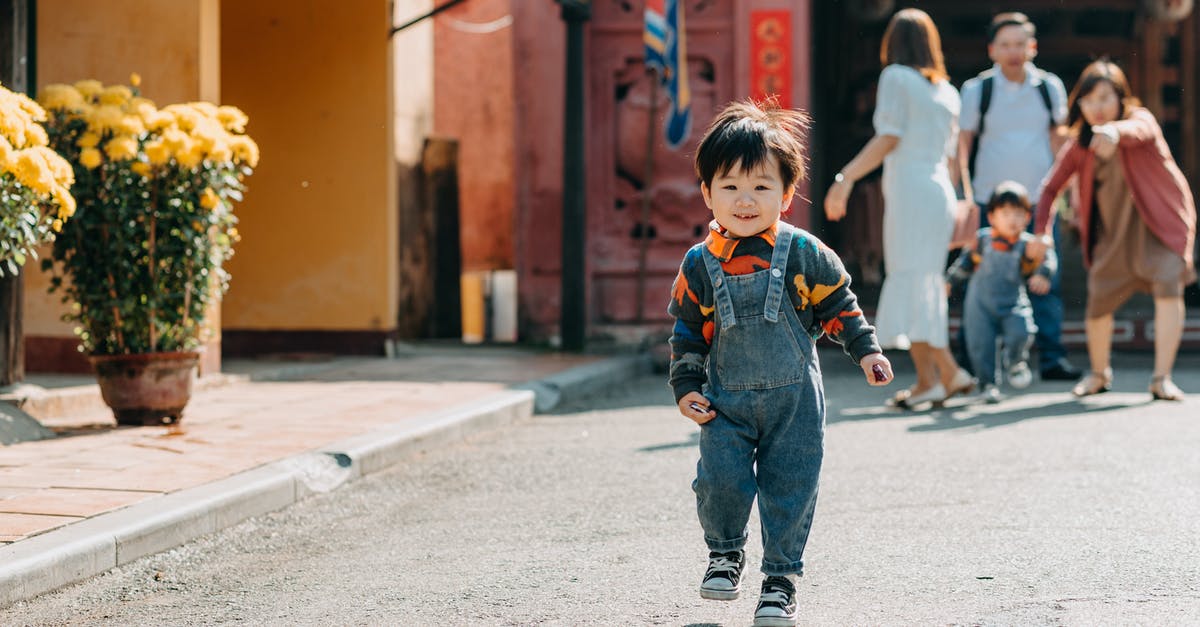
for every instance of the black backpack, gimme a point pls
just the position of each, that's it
(985, 100)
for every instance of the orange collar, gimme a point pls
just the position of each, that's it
(722, 245)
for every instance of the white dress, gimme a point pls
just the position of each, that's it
(919, 205)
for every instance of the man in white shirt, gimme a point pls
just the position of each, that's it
(1018, 113)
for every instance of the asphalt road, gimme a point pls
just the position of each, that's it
(1041, 510)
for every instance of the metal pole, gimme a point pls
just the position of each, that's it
(574, 295)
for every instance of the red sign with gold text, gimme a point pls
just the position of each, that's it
(770, 56)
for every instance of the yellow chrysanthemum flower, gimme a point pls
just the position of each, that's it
(176, 140)
(56, 225)
(115, 95)
(59, 168)
(30, 107)
(141, 168)
(131, 125)
(206, 109)
(185, 117)
(6, 151)
(245, 150)
(209, 199)
(90, 158)
(232, 118)
(30, 168)
(66, 202)
(88, 140)
(60, 97)
(121, 147)
(135, 79)
(105, 118)
(89, 89)
(220, 152)
(157, 152)
(158, 121)
(35, 135)
(191, 157)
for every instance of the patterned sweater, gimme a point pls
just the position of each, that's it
(820, 293)
(969, 259)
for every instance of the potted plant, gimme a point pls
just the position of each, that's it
(35, 197)
(142, 258)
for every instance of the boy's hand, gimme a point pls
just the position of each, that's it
(1036, 248)
(877, 368)
(693, 405)
(1039, 284)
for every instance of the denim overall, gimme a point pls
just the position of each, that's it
(764, 382)
(996, 305)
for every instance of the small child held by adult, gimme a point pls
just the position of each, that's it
(749, 303)
(996, 267)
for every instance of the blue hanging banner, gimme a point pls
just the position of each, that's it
(666, 53)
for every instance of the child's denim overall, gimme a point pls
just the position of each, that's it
(764, 382)
(996, 305)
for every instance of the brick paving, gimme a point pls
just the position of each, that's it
(262, 412)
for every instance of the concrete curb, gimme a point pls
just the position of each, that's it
(576, 383)
(90, 547)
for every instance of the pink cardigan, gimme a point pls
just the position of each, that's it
(1160, 191)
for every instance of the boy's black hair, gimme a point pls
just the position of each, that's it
(1010, 19)
(744, 133)
(1009, 194)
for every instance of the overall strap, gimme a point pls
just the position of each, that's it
(721, 297)
(779, 259)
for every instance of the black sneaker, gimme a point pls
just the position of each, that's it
(1061, 370)
(723, 579)
(777, 603)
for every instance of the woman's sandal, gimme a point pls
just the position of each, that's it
(962, 383)
(1093, 383)
(1163, 389)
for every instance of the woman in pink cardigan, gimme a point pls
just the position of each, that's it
(1137, 220)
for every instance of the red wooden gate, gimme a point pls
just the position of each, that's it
(619, 119)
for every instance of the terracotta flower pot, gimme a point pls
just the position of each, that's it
(148, 388)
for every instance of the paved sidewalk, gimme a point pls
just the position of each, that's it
(256, 438)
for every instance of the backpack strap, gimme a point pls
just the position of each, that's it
(985, 100)
(1044, 89)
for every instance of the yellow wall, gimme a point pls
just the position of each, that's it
(171, 43)
(319, 233)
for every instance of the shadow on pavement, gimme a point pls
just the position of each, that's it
(944, 420)
(692, 442)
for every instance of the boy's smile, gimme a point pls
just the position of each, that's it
(748, 203)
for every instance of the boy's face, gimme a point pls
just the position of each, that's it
(1012, 47)
(748, 203)
(1008, 221)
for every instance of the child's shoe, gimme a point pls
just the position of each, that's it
(991, 394)
(723, 579)
(776, 603)
(1019, 375)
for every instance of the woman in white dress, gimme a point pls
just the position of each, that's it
(916, 130)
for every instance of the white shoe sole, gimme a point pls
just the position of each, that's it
(719, 595)
(774, 621)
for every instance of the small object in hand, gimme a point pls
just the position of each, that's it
(697, 407)
(877, 370)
